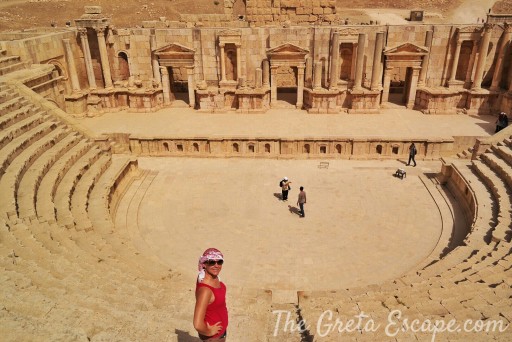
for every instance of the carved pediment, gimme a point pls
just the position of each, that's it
(173, 50)
(287, 49)
(406, 49)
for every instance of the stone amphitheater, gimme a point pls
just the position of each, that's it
(125, 152)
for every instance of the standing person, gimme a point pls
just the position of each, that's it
(301, 201)
(210, 313)
(285, 187)
(412, 154)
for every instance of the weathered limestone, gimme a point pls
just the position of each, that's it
(360, 60)
(154, 60)
(317, 76)
(426, 58)
(105, 65)
(376, 69)
(87, 57)
(335, 54)
(75, 84)
(482, 56)
(498, 68)
(166, 86)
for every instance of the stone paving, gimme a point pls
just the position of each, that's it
(362, 225)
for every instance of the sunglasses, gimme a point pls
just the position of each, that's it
(213, 262)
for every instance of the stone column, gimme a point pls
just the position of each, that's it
(377, 61)
(105, 66)
(300, 86)
(166, 86)
(273, 84)
(455, 61)
(360, 61)
(426, 58)
(257, 78)
(87, 57)
(413, 87)
(75, 84)
(266, 73)
(387, 83)
(498, 68)
(335, 56)
(482, 57)
(191, 86)
(317, 81)
(309, 71)
(238, 61)
(154, 59)
(222, 63)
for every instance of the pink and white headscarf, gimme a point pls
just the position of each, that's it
(209, 254)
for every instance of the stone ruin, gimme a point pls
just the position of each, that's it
(61, 185)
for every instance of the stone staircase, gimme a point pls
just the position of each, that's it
(473, 281)
(68, 272)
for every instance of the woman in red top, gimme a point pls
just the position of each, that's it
(211, 313)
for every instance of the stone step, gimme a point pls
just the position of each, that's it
(80, 196)
(16, 116)
(45, 207)
(19, 128)
(120, 171)
(500, 166)
(17, 145)
(13, 104)
(486, 210)
(504, 153)
(4, 70)
(30, 182)
(9, 60)
(65, 188)
(10, 180)
(501, 195)
(6, 93)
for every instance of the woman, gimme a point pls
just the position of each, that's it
(210, 313)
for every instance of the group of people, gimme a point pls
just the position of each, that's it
(502, 122)
(285, 188)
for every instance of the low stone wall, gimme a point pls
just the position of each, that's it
(274, 147)
(458, 186)
(121, 183)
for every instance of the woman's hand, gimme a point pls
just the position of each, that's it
(214, 329)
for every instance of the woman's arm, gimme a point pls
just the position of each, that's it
(202, 300)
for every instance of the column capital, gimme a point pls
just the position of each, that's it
(100, 31)
(488, 27)
(82, 31)
(164, 70)
(66, 41)
(222, 45)
(507, 28)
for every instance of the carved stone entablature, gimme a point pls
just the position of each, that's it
(349, 35)
(175, 54)
(470, 29)
(230, 37)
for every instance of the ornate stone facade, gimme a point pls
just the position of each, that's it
(439, 69)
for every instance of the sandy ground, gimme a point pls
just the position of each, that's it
(19, 14)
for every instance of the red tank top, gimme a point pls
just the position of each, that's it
(216, 311)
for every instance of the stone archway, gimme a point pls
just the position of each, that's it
(405, 59)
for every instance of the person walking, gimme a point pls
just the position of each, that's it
(285, 187)
(301, 201)
(412, 154)
(211, 313)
